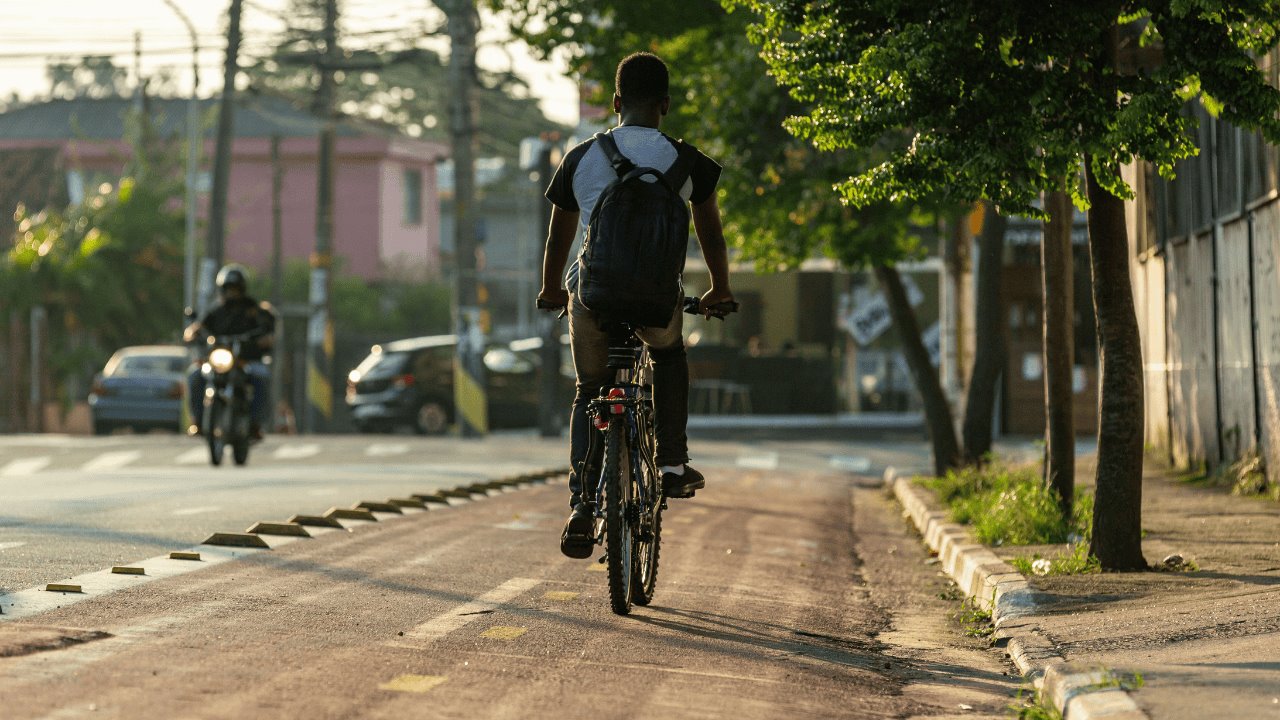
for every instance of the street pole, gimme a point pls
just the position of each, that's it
(320, 327)
(215, 245)
(469, 377)
(277, 275)
(193, 161)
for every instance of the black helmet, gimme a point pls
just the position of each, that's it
(232, 275)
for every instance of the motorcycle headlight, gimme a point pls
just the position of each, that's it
(222, 360)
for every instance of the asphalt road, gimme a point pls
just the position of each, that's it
(790, 587)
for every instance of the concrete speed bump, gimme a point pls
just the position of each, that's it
(180, 555)
(434, 497)
(350, 514)
(274, 528)
(128, 570)
(407, 503)
(385, 507)
(246, 540)
(62, 587)
(316, 521)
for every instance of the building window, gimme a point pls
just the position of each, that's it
(412, 197)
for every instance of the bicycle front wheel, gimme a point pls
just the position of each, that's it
(619, 501)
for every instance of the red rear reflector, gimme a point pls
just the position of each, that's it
(616, 408)
(404, 381)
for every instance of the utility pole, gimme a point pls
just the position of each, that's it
(215, 248)
(469, 377)
(193, 161)
(277, 271)
(320, 325)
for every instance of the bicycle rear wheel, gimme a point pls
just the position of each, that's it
(618, 501)
(648, 537)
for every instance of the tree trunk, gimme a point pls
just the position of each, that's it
(989, 334)
(1058, 295)
(1117, 514)
(937, 410)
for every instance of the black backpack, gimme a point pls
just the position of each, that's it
(637, 238)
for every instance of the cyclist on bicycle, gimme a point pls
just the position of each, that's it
(641, 100)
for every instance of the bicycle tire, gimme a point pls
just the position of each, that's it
(645, 578)
(619, 536)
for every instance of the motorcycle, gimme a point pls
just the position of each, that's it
(228, 396)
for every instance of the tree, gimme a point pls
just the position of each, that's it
(108, 271)
(403, 83)
(1096, 84)
(93, 76)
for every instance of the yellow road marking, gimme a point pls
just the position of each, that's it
(503, 632)
(560, 595)
(597, 567)
(414, 683)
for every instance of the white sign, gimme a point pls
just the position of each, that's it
(870, 319)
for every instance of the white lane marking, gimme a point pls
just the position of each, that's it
(460, 616)
(767, 461)
(111, 461)
(193, 456)
(36, 600)
(197, 510)
(853, 464)
(386, 449)
(11, 545)
(25, 466)
(296, 451)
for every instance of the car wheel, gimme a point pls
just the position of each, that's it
(431, 418)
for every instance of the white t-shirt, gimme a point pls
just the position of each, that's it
(585, 171)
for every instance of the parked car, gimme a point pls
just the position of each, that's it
(140, 387)
(409, 383)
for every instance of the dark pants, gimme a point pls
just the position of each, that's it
(259, 378)
(590, 347)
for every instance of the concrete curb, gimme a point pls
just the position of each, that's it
(1078, 693)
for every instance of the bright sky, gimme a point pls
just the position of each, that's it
(34, 32)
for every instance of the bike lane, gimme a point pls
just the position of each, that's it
(780, 594)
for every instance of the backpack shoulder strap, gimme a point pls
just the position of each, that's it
(682, 167)
(621, 165)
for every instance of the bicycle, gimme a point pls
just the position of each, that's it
(628, 497)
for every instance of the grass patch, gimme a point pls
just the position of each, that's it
(1076, 561)
(1010, 505)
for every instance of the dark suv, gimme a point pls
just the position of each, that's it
(409, 383)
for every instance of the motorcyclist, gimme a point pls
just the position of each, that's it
(235, 313)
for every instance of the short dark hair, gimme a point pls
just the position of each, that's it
(642, 79)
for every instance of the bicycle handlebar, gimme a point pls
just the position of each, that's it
(691, 305)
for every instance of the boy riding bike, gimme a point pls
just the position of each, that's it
(587, 172)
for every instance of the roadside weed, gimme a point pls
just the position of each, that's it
(1031, 705)
(1010, 506)
(975, 621)
(1077, 561)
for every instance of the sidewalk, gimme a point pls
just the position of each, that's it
(1205, 643)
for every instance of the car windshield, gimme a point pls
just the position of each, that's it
(381, 365)
(148, 365)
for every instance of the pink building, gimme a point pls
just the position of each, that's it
(386, 213)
